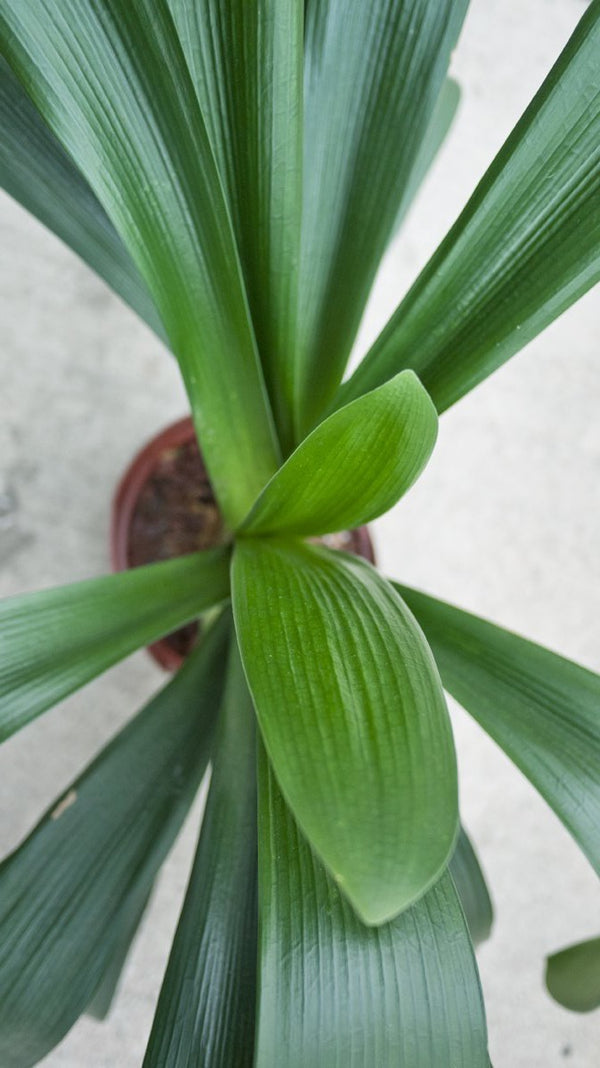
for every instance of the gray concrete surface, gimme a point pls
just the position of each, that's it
(506, 522)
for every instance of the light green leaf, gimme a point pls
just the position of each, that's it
(112, 82)
(246, 61)
(541, 709)
(353, 716)
(62, 893)
(53, 642)
(470, 883)
(207, 1004)
(524, 249)
(354, 466)
(334, 992)
(573, 976)
(437, 132)
(373, 73)
(36, 171)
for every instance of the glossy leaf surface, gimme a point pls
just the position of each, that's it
(471, 886)
(373, 73)
(524, 249)
(207, 1004)
(573, 976)
(36, 171)
(540, 708)
(246, 61)
(112, 82)
(64, 891)
(335, 993)
(354, 466)
(53, 642)
(353, 716)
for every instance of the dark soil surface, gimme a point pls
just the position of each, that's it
(176, 513)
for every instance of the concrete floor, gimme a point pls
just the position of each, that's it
(506, 522)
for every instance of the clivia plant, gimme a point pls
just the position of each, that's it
(235, 170)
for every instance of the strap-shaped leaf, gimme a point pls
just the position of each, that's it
(112, 82)
(62, 893)
(373, 73)
(437, 132)
(354, 466)
(573, 976)
(207, 1003)
(246, 61)
(353, 716)
(470, 883)
(36, 171)
(334, 992)
(123, 934)
(541, 709)
(524, 249)
(53, 642)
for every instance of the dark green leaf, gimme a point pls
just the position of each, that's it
(437, 131)
(207, 1004)
(353, 716)
(246, 63)
(36, 171)
(336, 993)
(541, 709)
(125, 929)
(526, 246)
(573, 976)
(354, 466)
(53, 642)
(112, 82)
(470, 883)
(63, 892)
(373, 73)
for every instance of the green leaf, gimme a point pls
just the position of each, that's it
(526, 246)
(541, 709)
(334, 992)
(207, 1004)
(36, 171)
(125, 929)
(573, 976)
(373, 73)
(470, 883)
(437, 132)
(112, 82)
(62, 893)
(53, 642)
(246, 61)
(353, 716)
(354, 466)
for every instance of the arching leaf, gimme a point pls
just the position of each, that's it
(334, 992)
(246, 63)
(207, 1003)
(540, 708)
(526, 246)
(112, 82)
(53, 642)
(354, 466)
(373, 73)
(65, 891)
(352, 713)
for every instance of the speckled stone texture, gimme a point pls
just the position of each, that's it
(506, 522)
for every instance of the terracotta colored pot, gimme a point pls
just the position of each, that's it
(124, 505)
(142, 468)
